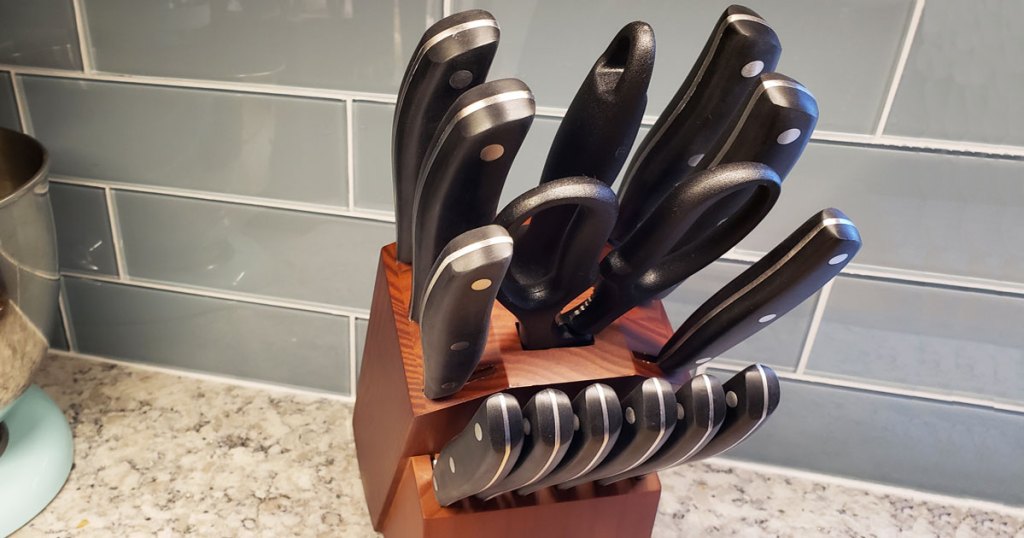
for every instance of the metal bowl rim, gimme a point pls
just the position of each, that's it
(37, 178)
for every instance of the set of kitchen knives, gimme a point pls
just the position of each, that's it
(705, 176)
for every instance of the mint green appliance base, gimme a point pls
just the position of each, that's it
(37, 460)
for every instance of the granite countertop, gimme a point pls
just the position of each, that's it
(158, 454)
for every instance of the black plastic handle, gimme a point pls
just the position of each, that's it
(751, 396)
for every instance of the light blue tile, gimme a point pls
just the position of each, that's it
(843, 51)
(356, 45)
(39, 33)
(920, 444)
(963, 77)
(361, 326)
(778, 345)
(265, 146)
(939, 213)
(211, 335)
(8, 107)
(945, 340)
(374, 187)
(83, 229)
(275, 252)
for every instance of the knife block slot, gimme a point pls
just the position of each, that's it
(396, 427)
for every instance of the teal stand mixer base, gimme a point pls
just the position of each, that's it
(36, 461)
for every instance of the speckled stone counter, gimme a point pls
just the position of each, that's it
(158, 454)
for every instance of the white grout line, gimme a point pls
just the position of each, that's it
(871, 487)
(303, 207)
(62, 307)
(446, 8)
(213, 378)
(19, 103)
(350, 145)
(901, 64)
(812, 329)
(115, 234)
(352, 358)
(230, 296)
(84, 42)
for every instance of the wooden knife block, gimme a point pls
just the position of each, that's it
(397, 429)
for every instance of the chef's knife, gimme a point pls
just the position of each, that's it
(741, 46)
(537, 292)
(457, 306)
(751, 396)
(481, 454)
(547, 432)
(597, 131)
(597, 421)
(465, 169)
(790, 273)
(649, 416)
(453, 56)
(700, 404)
(653, 259)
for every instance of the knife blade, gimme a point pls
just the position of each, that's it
(649, 416)
(741, 46)
(457, 304)
(787, 275)
(597, 131)
(537, 293)
(597, 420)
(653, 259)
(453, 56)
(465, 170)
(547, 432)
(751, 396)
(701, 404)
(481, 454)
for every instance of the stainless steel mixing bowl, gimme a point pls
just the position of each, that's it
(29, 280)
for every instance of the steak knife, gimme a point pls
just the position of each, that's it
(649, 415)
(481, 454)
(751, 396)
(700, 405)
(597, 131)
(453, 56)
(740, 48)
(457, 304)
(790, 273)
(547, 432)
(465, 170)
(597, 420)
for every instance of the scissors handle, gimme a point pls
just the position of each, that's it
(537, 288)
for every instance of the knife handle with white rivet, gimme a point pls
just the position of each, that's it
(787, 275)
(751, 396)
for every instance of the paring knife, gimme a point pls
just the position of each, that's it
(483, 453)
(701, 402)
(751, 396)
(790, 273)
(457, 304)
(465, 169)
(453, 56)
(598, 421)
(649, 415)
(597, 131)
(740, 48)
(537, 292)
(547, 432)
(653, 259)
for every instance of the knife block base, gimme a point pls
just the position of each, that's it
(394, 423)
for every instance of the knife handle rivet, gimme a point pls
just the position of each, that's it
(680, 412)
(492, 152)
(787, 136)
(629, 415)
(481, 284)
(752, 69)
(460, 79)
(695, 160)
(526, 427)
(767, 318)
(731, 399)
(838, 259)
(459, 346)
(478, 432)
(451, 464)
(575, 423)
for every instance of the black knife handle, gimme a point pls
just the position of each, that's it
(537, 293)
(790, 273)
(740, 47)
(457, 306)
(464, 173)
(751, 396)
(597, 422)
(453, 56)
(649, 416)
(481, 454)
(547, 431)
(598, 129)
(653, 259)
